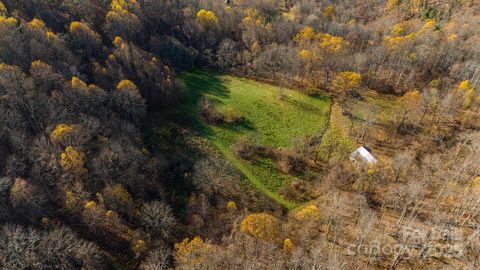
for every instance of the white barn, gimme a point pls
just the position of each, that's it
(363, 155)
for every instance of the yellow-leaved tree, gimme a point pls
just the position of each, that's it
(61, 131)
(395, 42)
(305, 36)
(261, 226)
(38, 24)
(397, 30)
(206, 18)
(346, 81)
(391, 4)
(319, 48)
(329, 12)
(84, 40)
(331, 44)
(128, 100)
(331, 48)
(191, 253)
(306, 55)
(3, 10)
(308, 213)
(288, 245)
(38, 66)
(232, 206)
(73, 161)
(78, 84)
(409, 107)
(122, 19)
(475, 185)
(127, 85)
(466, 94)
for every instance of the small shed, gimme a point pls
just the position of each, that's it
(363, 155)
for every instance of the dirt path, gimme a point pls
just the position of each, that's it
(251, 177)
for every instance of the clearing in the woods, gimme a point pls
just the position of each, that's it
(272, 116)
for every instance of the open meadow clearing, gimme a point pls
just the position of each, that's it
(271, 116)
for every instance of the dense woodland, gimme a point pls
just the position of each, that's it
(81, 187)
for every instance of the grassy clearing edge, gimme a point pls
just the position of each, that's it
(239, 164)
(251, 177)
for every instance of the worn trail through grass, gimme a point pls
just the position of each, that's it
(273, 116)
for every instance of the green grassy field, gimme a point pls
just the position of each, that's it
(269, 120)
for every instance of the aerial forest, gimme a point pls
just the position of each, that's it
(239, 134)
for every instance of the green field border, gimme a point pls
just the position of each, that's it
(251, 177)
(206, 132)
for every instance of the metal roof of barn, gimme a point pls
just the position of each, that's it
(364, 154)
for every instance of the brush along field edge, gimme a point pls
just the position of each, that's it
(251, 177)
(224, 87)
